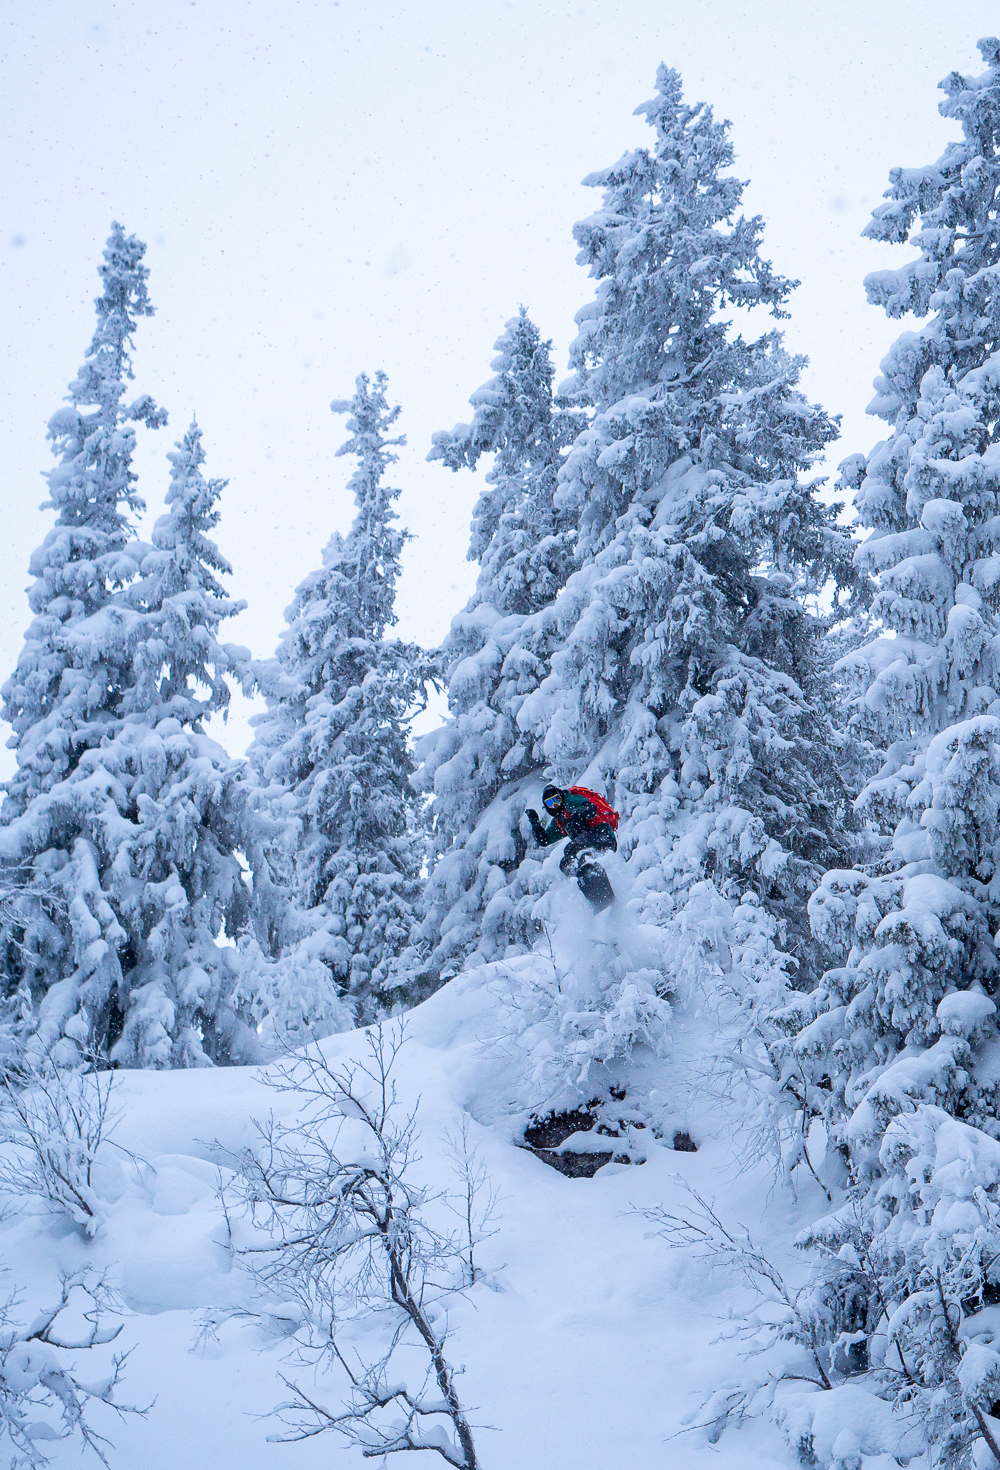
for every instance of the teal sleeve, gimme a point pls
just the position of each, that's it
(545, 836)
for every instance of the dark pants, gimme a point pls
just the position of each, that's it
(579, 861)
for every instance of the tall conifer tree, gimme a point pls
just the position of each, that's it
(496, 652)
(127, 866)
(920, 963)
(683, 680)
(333, 755)
(892, 1060)
(58, 705)
(679, 657)
(135, 848)
(184, 999)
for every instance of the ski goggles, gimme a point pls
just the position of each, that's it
(552, 803)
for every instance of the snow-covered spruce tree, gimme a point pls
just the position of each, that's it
(58, 708)
(63, 698)
(337, 812)
(894, 1055)
(183, 884)
(685, 677)
(138, 843)
(497, 650)
(521, 539)
(681, 648)
(906, 1016)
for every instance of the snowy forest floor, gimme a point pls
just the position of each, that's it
(586, 1346)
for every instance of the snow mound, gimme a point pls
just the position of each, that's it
(585, 1341)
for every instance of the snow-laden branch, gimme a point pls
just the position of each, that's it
(33, 1380)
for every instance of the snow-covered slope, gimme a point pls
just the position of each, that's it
(586, 1346)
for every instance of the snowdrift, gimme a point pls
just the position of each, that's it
(587, 1344)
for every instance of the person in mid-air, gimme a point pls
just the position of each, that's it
(589, 823)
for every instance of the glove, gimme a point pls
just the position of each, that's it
(533, 818)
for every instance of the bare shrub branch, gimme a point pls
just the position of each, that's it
(348, 1240)
(476, 1203)
(55, 1126)
(795, 1320)
(33, 1380)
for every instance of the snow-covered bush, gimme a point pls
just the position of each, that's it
(895, 1320)
(915, 1260)
(580, 1008)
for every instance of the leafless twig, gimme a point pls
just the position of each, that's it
(347, 1238)
(55, 1126)
(33, 1380)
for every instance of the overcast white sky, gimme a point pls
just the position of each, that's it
(329, 187)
